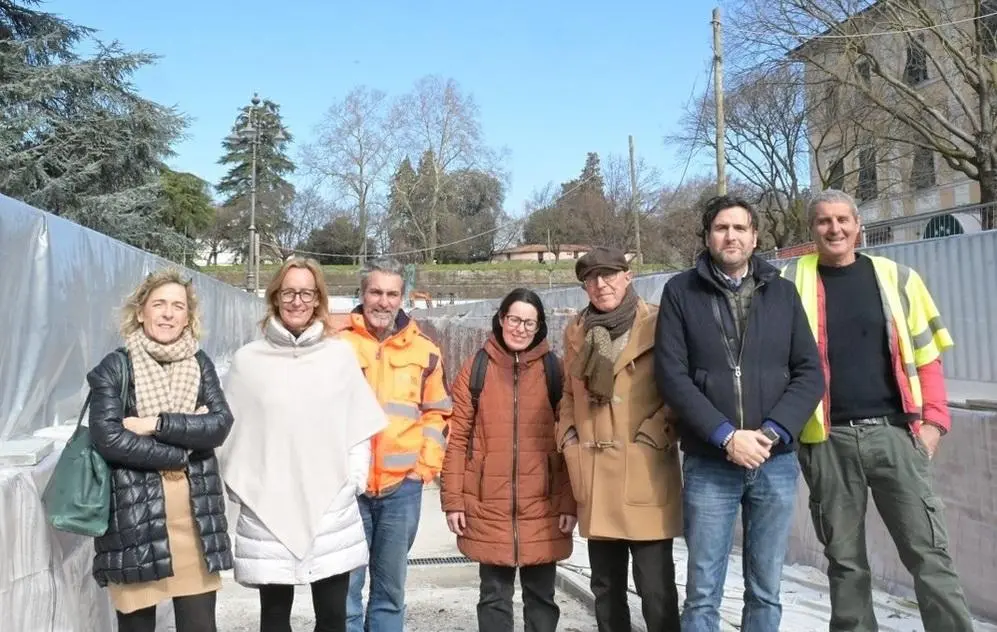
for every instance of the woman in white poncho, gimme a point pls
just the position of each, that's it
(298, 454)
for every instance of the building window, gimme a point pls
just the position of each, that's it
(878, 235)
(836, 175)
(831, 101)
(988, 27)
(864, 71)
(922, 173)
(916, 69)
(867, 189)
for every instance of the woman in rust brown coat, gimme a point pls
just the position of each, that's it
(505, 489)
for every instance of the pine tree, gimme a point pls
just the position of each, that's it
(408, 207)
(273, 192)
(187, 205)
(75, 137)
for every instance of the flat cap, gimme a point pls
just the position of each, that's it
(602, 259)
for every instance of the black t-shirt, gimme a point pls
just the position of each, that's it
(858, 350)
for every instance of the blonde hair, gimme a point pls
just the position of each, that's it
(152, 282)
(321, 301)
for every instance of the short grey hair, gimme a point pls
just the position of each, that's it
(385, 265)
(830, 196)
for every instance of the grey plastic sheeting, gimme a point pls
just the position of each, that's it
(959, 271)
(62, 287)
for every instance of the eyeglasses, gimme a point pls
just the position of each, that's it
(307, 296)
(592, 280)
(515, 321)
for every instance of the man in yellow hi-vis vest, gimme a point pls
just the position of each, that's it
(880, 339)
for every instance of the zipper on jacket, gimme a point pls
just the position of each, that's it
(736, 362)
(515, 458)
(375, 441)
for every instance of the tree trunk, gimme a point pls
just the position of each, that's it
(434, 212)
(362, 210)
(988, 195)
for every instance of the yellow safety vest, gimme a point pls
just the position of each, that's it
(911, 319)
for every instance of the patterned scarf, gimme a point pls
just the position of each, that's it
(594, 363)
(167, 377)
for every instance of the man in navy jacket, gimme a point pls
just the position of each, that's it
(737, 362)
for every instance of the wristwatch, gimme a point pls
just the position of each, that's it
(726, 441)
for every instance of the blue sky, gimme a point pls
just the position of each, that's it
(553, 80)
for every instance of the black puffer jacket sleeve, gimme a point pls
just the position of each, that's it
(205, 431)
(116, 444)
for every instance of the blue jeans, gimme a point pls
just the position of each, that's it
(714, 490)
(390, 523)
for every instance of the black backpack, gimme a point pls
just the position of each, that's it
(551, 369)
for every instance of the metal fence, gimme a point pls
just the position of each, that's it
(960, 272)
(62, 285)
(961, 220)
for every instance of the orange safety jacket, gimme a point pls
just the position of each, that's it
(405, 372)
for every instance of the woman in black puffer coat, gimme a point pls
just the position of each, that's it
(167, 534)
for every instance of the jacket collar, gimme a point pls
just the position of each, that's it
(641, 337)
(279, 336)
(406, 329)
(501, 357)
(761, 270)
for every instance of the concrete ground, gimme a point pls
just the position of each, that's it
(805, 601)
(440, 597)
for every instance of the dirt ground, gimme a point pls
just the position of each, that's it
(440, 599)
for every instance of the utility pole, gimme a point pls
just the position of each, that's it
(718, 91)
(253, 132)
(634, 205)
(254, 238)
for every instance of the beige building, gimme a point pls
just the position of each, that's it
(858, 147)
(539, 253)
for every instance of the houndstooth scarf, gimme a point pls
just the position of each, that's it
(167, 377)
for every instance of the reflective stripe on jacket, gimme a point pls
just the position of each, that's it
(405, 372)
(913, 326)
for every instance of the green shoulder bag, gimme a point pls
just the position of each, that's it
(77, 498)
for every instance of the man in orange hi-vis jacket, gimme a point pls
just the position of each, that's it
(404, 368)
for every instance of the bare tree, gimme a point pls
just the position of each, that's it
(355, 147)
(221, 234)
(308, 211)
(439, 120)
(546, 221)
(768, 142)
(619, 195)
(674, 225)
(884, 53)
